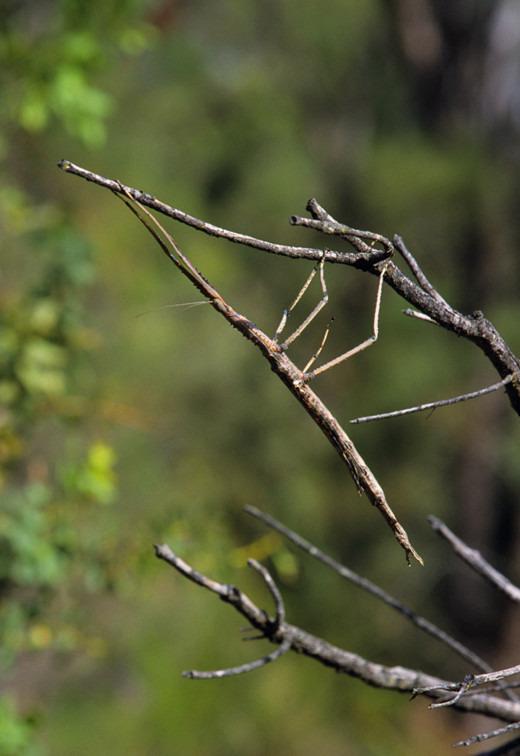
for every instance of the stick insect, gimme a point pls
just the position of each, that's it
(295, 379)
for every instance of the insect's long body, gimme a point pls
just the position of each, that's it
(296, 380)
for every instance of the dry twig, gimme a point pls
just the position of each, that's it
(396, 678)
(434, 405)
(476, 561)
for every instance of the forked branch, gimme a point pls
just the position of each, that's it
(291, 637)
(373, 252)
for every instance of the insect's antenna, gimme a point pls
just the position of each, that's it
(180, 260)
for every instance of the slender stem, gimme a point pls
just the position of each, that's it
(273, 589)
(476, 561)
(153, 203)
(512, 748)
(434, 405)
(416, 270)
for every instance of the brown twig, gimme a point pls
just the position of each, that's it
(488, 735)
(416, 270)
(506, 749)
(423, 297)
(467, 686)
(241, 669)
(309, 253)
(372, 251)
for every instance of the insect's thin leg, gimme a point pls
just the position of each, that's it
(287, 312)
(323, 301)
(324, 339)
(364, 344)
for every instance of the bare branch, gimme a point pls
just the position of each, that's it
(285, 645)
(317, 211)
(470, 682)
(371, 254)
(487, 735)
(490, 677)
(273, 589)
(396, 678)
(474, 327)
(506, 749)
(375, 590)
(416, 270)
(434, 405)
(419, 316)
(466, 686)
(332, 227)
(194, 674)
(476, 561)
(286, 250)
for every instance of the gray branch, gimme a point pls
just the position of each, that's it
(291, 637)
(369, 587)
(476, 561)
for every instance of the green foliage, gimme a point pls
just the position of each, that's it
(32, 555)
(49, 60)
(41, 333)
(48, 538)
(16, 733)
(238, 112)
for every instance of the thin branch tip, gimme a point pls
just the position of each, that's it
(159, 549)
(434, 405)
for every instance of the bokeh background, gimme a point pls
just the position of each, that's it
(124, 422)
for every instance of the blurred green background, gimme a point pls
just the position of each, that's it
(123, 423)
